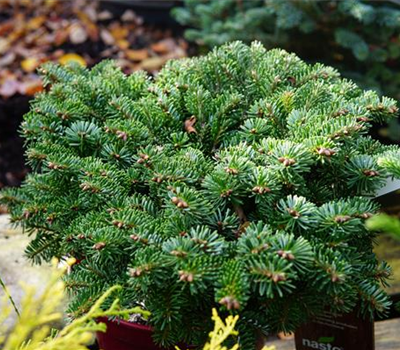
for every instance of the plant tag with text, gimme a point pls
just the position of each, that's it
(341, 332)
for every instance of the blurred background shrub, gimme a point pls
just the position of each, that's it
(360, 38)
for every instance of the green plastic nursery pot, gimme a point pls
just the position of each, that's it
(123, 335)
(343, 332)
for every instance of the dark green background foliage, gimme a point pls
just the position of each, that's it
(239, 180)
(360, 38)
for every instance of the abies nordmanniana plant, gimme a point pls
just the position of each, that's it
(238, 180)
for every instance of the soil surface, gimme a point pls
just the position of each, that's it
(12, 168)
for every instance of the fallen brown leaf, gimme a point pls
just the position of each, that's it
(106, 36)
(104, 15)
(42, 30)
(36, 22)
(4, 45)
(6, 27)
(31, 87)
(72, 57)
(129, 16)
(137, 55)
(61, 37)
(152, 63)
(77, 34)
(9, 88)
(30, 64)
(7, 59)
(122, 44)
(164, 46)
(118, 32)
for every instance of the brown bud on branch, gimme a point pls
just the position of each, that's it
(341, 219)
(286, 161)
(230, 303)
(189, 125)
(186, 276)
(99, 246)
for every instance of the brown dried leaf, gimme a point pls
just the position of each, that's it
(36, 22)
(9, 88)
(107, 38)
(48, 3)
(72, 57)
(4, 45)
(123, 63)
(178, 52)
(7, 59)
(119, 32)
(104, 15)
(152, 63)
(129, 16)
(31, 87)
(77, 34)
(137, 55)
(35, 32)
(6, 27)
(87, 19)
(123, 44)
(91, 13)
(30, 64)
(164, 46)
(34, 37)
(61, 37)
(57, 54)
(108, 52)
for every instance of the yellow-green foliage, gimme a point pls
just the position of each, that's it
(222, 331)
(32, 330)
(385, 223)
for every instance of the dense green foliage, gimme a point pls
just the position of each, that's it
(360, 38)
(238, 180)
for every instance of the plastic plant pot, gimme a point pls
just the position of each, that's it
(340, 332)
(123, 335)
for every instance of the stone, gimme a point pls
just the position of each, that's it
(14, 266)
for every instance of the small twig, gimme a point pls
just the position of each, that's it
(9, 296)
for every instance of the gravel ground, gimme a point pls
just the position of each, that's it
(13, 265)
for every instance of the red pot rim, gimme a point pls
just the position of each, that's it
(129, 328)
(127, 324)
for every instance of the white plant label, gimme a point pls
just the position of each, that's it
(391, 186)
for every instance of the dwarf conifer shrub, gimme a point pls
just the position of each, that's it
(238, 180)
